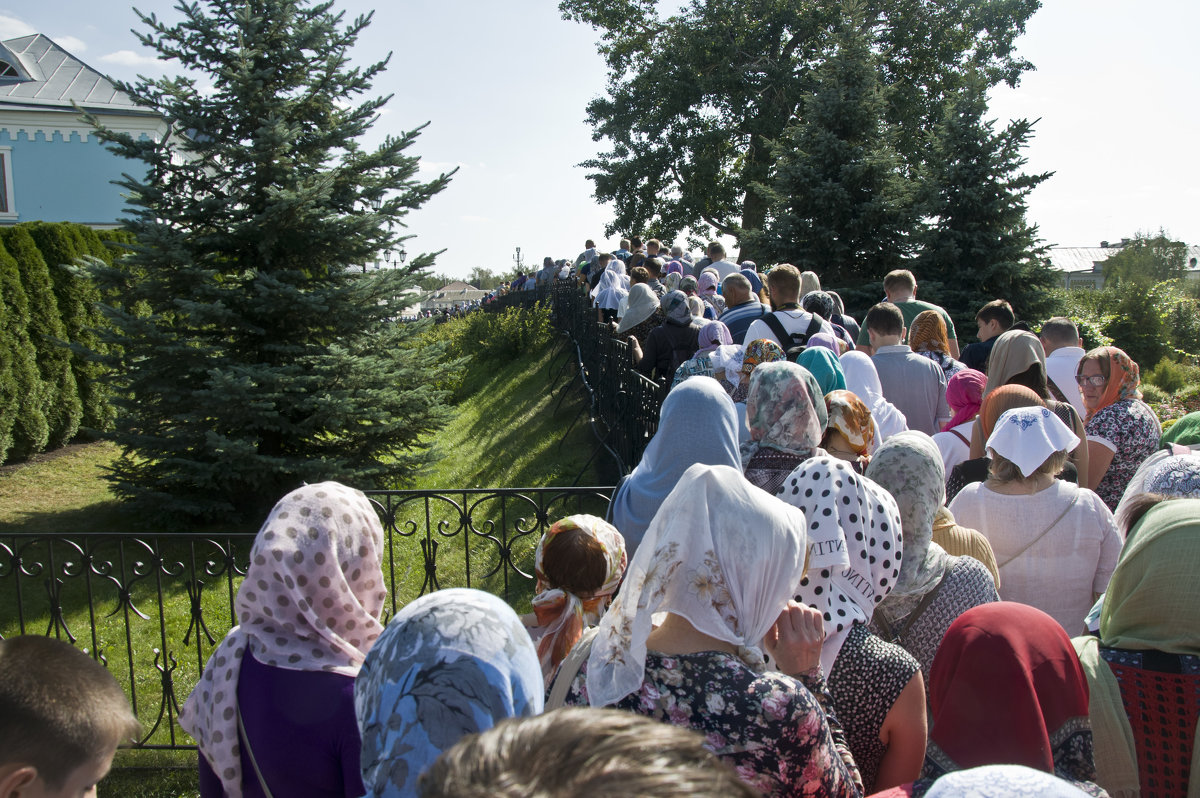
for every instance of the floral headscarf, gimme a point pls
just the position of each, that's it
(863, 380)
(761, 350)
(849, 416)
(909, 466)
(451, 663)
(674, 305)
(1177, 475)
(825, 366)
(672, 280)
(780, 410)
(927, 333)
(688, 285)
(562, 616)
(721, 553)
(1123, 378)
(854, 545)
(964, 394)
(311, 601)
(712, 335)
(818, 302)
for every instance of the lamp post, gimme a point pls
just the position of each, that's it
(517, 258)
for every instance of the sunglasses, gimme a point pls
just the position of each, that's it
(1096, 380)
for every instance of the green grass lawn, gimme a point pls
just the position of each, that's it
(507, 431)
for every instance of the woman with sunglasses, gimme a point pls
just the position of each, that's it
(1122, 430)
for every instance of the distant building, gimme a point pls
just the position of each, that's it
(456, 294)
(1083, 267)
(53, 167)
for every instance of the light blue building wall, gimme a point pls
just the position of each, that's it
(66, 178)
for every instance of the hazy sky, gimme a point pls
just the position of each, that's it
(503, 86)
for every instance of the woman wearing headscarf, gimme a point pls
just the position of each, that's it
(927, 337)
(697, 424)
(757, 352)
(785, 424)
(1147, 657)
(854, 554)
(675, 267)
(672, 280)
(451, 663)
(995, 404)
(706, 289)
(670, 343)
(933, 588)
(578, 563)
(1122, 430)
(825, 366)
(964, 395)
(830, 342)
(712, 335)
(863, 381)
(809, 282)
(1184, 432)
(850, 433)
(822, 304)
(721, 559)
(642, 314)
(1056, 543)
(1007, 688)
(1017, 358)
(308, 613)
(612, 287)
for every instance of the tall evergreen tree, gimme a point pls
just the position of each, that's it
(61, 407)
(264, 356)
(23, 395)
(979, 245)
(839, 203)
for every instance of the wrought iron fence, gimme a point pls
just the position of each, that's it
(152, 607)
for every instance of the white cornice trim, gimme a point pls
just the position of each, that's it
(66, 123)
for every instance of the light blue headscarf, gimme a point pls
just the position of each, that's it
(825, 366)
(451, 663)
(697, 424)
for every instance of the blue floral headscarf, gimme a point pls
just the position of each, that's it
(451, 663)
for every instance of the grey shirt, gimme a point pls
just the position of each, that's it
(914, 384)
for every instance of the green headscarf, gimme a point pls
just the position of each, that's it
(1185, 431)
(825, 366)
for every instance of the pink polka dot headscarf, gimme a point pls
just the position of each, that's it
(311, 601)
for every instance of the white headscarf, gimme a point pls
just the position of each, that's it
(614, 277)
(310, 601)
(863, 381)
(721, 553)
(1026, 436)
(854, 545)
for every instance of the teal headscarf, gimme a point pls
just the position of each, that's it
(825, 366)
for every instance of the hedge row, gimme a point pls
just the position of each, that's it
(49, 392)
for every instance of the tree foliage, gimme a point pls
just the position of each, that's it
(839, 203)
(23, 395)
(695, 98)
(975, 194)
(250, 353)
(1147, 259)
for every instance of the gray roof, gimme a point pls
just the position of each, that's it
(1086, 259)
(53, 79)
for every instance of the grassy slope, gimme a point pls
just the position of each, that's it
(505, 433)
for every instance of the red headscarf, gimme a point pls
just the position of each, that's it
(1123, 378)
(964, 394)
(1004, 681)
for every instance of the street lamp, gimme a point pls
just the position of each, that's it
(517, 258)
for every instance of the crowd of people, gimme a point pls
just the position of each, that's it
(853, 560)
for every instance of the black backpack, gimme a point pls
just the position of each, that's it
(799, 341)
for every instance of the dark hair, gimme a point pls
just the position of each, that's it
(59, 708)
(1060, 330)
(997, 310)
(574, 561)
(575, 752)
(885, 319)
(635, 241)
(1033, 378)
(654, 266)
(1137, 506)
(639, 274)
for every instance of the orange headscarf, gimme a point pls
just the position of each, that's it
(928, 333)
(1124, 376)
(1006, 397)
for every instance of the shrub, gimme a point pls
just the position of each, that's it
(1171, 376)
(23, 430)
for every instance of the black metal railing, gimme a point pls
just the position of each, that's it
(152, 607)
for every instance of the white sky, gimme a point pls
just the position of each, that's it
(504, 85)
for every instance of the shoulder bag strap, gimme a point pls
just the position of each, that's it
(785, 338)
(960, 436)
(570, 669)
(918, 611)
(1043, 533)
(250, 751)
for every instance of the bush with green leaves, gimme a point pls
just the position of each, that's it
(23, 395)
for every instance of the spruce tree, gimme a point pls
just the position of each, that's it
(61, 407)
(23, 396)
(839, 203)
(260, 355)
(978, 245)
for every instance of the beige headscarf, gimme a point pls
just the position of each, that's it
(1013, 352)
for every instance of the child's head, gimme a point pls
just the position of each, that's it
(994, 318)
(62, 716)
